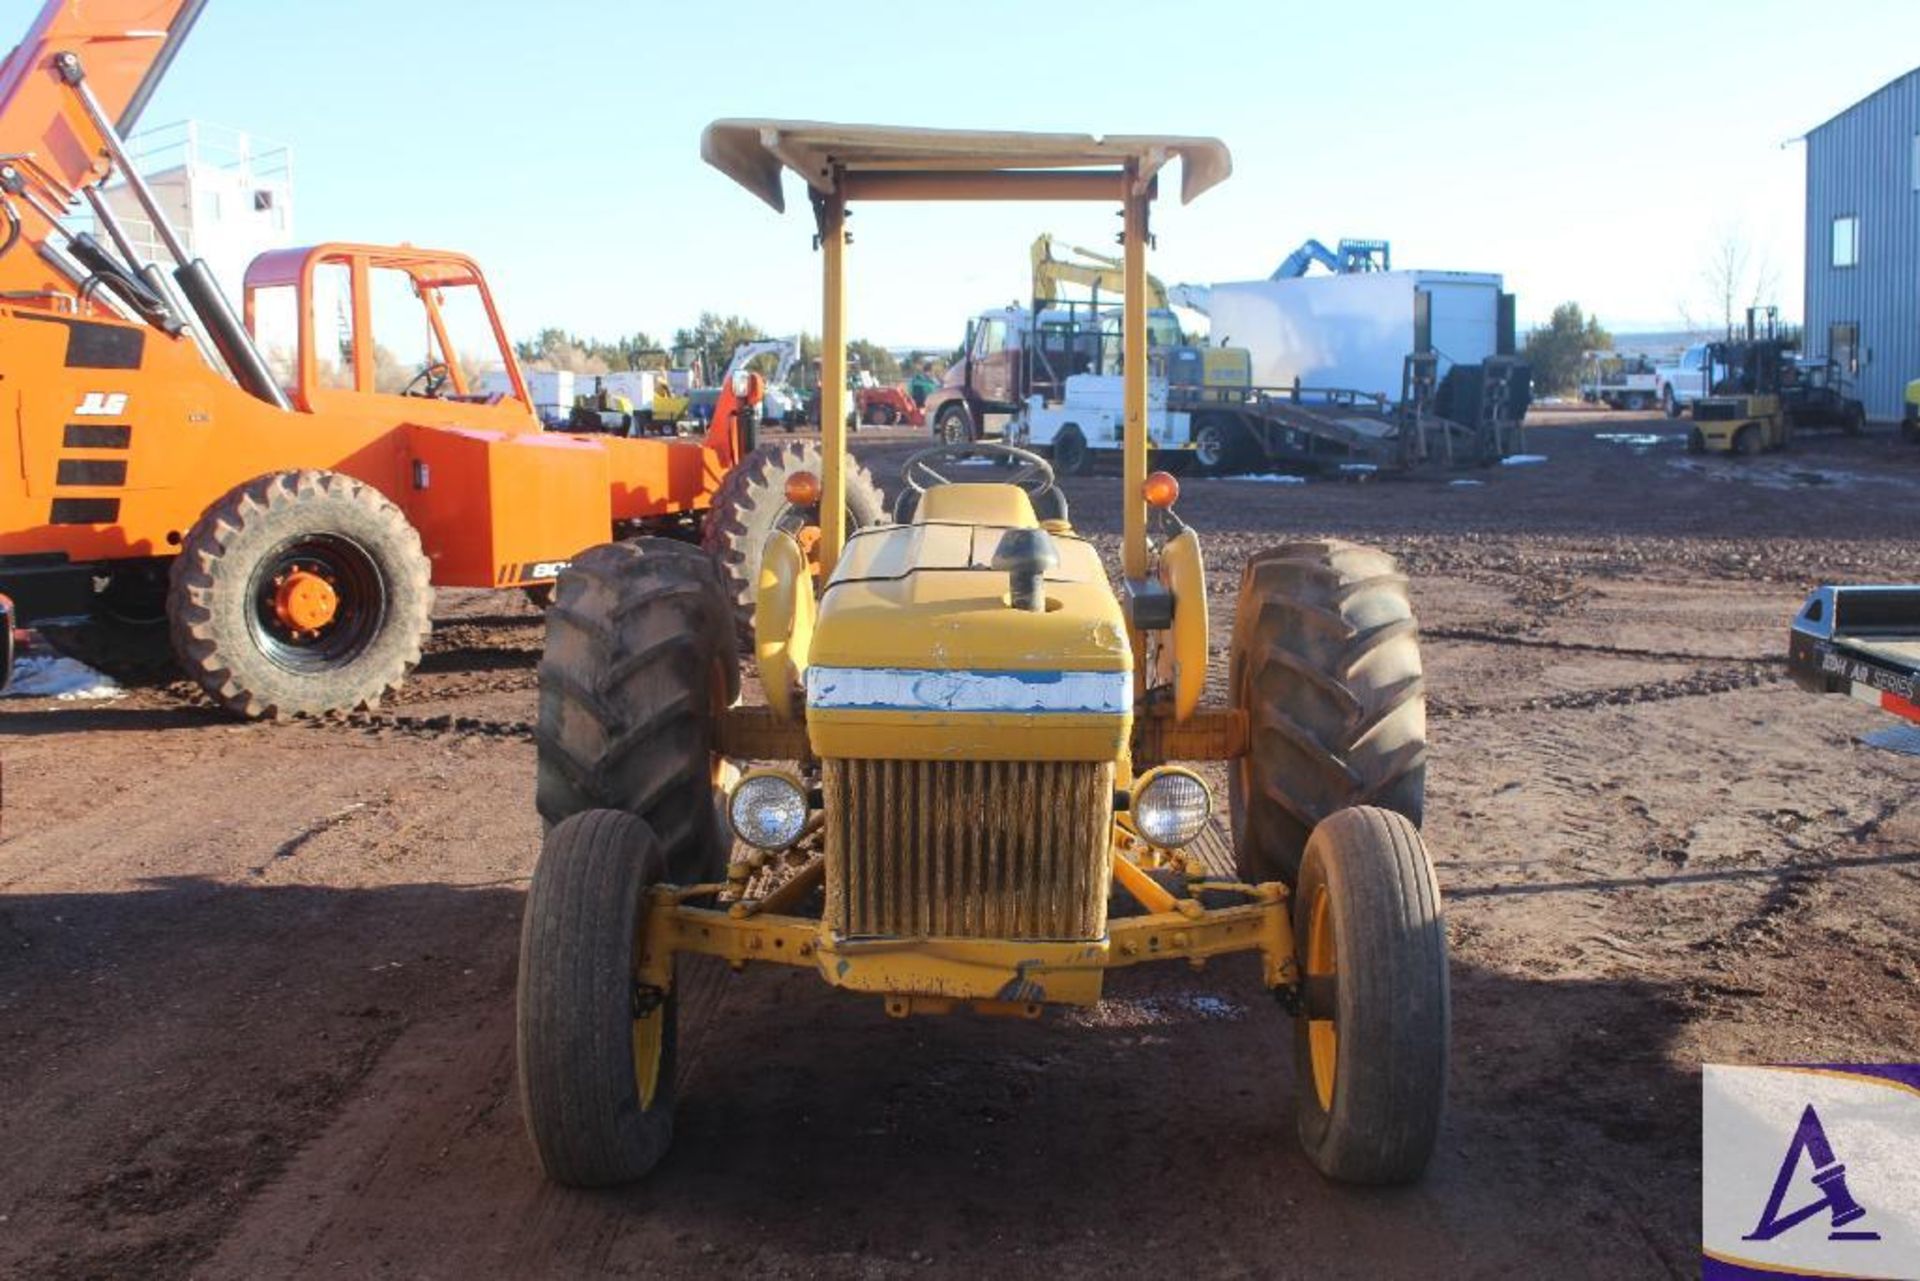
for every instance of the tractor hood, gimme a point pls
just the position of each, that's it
(920, 654)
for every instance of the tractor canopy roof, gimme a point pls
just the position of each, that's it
(886, 162)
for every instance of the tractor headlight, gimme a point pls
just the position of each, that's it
(768, 810)
(1171, 807)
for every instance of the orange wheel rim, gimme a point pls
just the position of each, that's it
(303, 601)
(1323, 1035)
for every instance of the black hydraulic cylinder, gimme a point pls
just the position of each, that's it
(92, 255)
(203, 294)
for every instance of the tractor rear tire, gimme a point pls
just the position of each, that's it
(1326, 664)
(595, 1052)
(1370, 1044)
(640, 661)
(234, 640)
(752, 502)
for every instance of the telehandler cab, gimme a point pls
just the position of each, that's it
(268, 498)
(981, 792)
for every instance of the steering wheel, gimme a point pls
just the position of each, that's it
(1032, 473)
(430, 381)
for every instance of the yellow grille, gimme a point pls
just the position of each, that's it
(968, 849)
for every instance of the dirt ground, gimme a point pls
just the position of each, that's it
(256, 980)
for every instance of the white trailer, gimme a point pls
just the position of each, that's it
(1353, 332)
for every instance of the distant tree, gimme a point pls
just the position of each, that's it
(1732, 278)
(715, 336)
(637, 350)
(1557, 349)
(556, 349)
(875, 359)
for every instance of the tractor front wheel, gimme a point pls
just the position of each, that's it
(301, 592)
(1325, 662)
(595, 1046)
(751, 503)
(639, 663)
(1370, 1042)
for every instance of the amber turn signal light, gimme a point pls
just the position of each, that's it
(1160, 490)
(803, 489)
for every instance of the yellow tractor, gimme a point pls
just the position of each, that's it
(982, 793)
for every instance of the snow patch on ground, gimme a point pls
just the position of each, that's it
(55, 676)
(1273, 478)
(1523, 460)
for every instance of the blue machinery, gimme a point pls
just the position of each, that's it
(1353, 256)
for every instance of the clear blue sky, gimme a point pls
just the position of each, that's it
(1590, 152)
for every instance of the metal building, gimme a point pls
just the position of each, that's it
(1863, 243)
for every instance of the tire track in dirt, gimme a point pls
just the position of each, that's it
(1698, 684)
(1482, 636)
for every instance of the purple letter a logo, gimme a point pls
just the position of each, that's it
(1828, 1174)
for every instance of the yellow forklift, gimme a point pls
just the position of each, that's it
(1744, 412)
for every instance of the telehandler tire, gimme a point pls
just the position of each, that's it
(752, 502)
(1370, 1042)
(1326, 664)
(640, 660)
(596, 1052)
(300, 592)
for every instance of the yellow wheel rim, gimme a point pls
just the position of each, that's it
(649, 1042)
(649, 1031)
(1323, 1036)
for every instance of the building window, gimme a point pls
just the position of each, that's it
(1846, 241)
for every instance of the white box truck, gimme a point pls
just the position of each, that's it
(1354, 331)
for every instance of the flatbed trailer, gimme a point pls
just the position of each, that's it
(1320, 428)
(1863, 642)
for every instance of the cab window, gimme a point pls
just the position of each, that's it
(333, 326)
(405, 355)
(991, 338)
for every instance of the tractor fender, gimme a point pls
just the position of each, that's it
(783, 616)
(1184, 574)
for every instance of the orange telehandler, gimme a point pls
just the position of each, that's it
(268, 498)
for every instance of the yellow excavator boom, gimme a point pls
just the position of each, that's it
(1098, 271)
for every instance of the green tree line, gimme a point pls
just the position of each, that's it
(1557, 349)
(710, 341)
